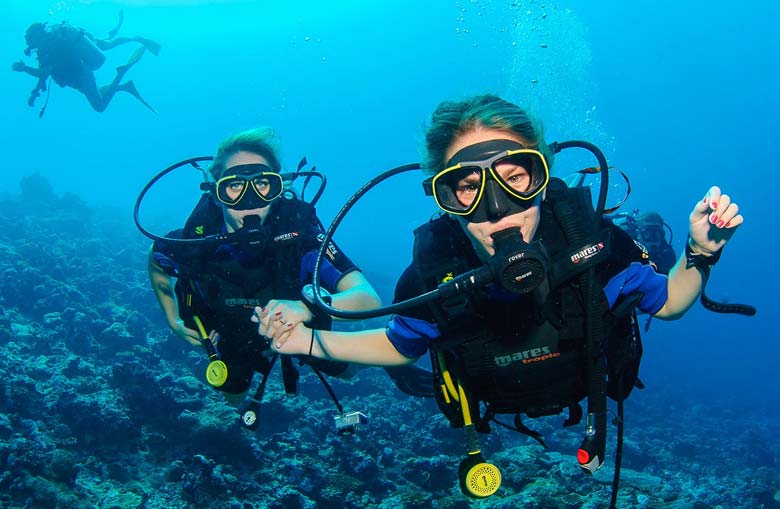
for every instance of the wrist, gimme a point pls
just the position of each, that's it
(696, 250)
(699, 258)
(319, 318)
(308, 314)
(316, 347)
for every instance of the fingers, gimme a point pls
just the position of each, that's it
(193, 341)
(713, 197)
(285, 311)
(717, 209)
(726, 214)
(709, 203)
(271, 324)
(701, 208)
(734, 222)
(190, 332)
(274, 308)
(275, 333)
(721, 211)
(191, 337)
(281, 339)
(281, 323)
(277, 323)
(713, 221)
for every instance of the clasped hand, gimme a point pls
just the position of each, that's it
(280, 319)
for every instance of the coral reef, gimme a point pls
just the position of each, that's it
(101, 406)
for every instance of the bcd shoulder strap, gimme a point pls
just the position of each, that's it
(442, 251)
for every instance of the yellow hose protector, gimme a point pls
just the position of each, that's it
(464, 406)
(445, 374)
(201, 328)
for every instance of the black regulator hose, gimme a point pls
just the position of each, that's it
(193, 162)
(384, 310)
(604, 173)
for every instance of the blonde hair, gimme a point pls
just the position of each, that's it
(260, 140)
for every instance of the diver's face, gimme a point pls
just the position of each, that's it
(480, 233)
(234, 219)
(652, 236)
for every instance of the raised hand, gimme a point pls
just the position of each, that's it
(713, 221)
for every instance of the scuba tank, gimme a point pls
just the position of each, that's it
(90, 54)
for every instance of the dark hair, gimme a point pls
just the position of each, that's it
(260, 140)
(453, 118)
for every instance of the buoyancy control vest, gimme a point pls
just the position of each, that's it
(222, 284)
(68, 52)
(522, 355)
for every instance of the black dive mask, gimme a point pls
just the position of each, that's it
(652, 236)
(249, 186)
(489, 180)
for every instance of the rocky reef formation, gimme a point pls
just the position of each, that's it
(101, 406)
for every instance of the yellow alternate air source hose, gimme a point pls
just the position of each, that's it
(217, 371)
(478, 478)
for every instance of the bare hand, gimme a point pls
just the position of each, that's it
(18, 66)
(287, 338)
(283, 315)
(713, 222)
(190, 336)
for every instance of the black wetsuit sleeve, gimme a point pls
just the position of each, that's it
(165, 253)
(624, 251)
(335, 255)
(407, 287)
(163, 247)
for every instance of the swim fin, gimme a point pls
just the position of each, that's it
(112, 33)
(153, 47)
(134, 58)
(412, 380)
(129, 87)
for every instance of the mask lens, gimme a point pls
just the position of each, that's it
(267, 185)
(456, 190)
(230, 190)
(521, 173)
(652, 234)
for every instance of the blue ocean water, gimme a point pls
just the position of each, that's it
(680, 95)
